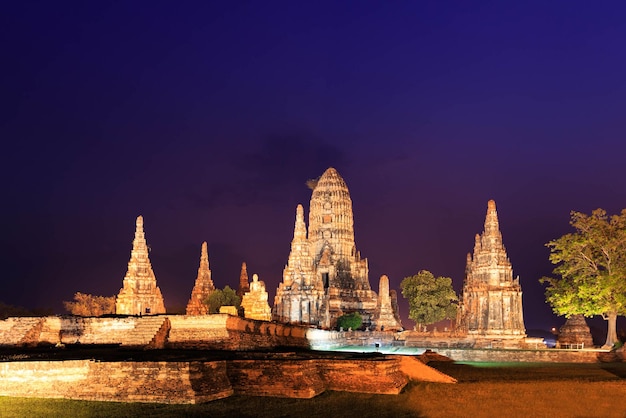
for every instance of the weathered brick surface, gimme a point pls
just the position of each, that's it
(283, 378)
(545, 355)
(20, 331)
(368, 376)
(226, 332)
(162, 382)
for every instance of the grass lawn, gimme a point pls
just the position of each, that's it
(484, 390)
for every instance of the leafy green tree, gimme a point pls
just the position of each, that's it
(591, 263)
(350, 321)
(431, 299)
(85, 304)
(219, 298)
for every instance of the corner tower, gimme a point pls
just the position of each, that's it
(203, 286)
(140, 293)
(492, 300)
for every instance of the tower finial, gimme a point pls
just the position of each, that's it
(204, 255)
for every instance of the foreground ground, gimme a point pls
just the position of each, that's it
(484, 390)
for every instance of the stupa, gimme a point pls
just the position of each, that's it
(203, 286)
(491, 304)
(386, 318)
(244, 284)
(140, 294)
(254, 302)
(325, 276)
(575, 333)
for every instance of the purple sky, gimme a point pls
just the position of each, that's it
(208, 120)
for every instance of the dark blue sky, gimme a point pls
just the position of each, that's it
(207, 119)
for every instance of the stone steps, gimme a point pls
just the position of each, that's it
(19, 331)
(145, 330)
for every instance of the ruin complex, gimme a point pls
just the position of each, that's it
(140, 294)
(325, 276)
(203, 287)
(491, 304)
(254, 302)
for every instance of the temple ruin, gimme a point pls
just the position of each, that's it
(325, 276)
(491, 306)
(575, 333)
(203, 287)
(140, 294)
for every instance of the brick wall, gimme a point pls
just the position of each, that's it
(162, 382)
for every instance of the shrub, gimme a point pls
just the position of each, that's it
(352, 320)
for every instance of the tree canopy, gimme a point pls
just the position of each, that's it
(85, 304)
(591, 263)
(219, 298)
(431, 299)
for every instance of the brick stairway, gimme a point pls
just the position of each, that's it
(145, 330)
(20, 331)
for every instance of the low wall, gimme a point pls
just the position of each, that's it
(161, 382)
(202, 381)
(227, 332)
(216, 332)
(532, 356)
(289, 378)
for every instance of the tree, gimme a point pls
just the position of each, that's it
(219, 298)
(430, 299)
(90, 305)
(7, 311)
(350, 321)
(591, 263)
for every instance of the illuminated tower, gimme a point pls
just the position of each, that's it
(244, 282)
(326, 263)
(140, 294)
(492, 299)
(203, 287)
(300, 297)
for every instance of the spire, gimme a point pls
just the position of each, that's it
(299, 230)
(140, 293)
(383, 290)
(244, 285)
(492, 226)
(203, 286)
(492, 300)
(140, 247)
(204, 257)
(476, 244)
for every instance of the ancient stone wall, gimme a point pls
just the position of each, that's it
(373, 376)
(287, 378)
(162, 382)
(19, 331)
(515, 356)
(196, 382)
(227, 332)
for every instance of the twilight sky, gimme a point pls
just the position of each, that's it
(207, 119)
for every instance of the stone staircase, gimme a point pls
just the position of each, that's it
(20, 331)
(145, 331)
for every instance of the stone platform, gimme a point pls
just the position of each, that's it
(195, 376)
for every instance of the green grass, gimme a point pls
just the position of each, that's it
(484, 390)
